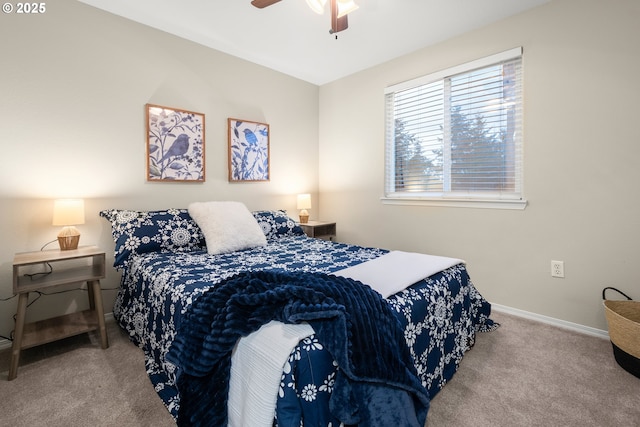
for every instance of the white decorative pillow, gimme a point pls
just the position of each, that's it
(227, 226)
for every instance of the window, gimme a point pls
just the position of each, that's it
(455, 137)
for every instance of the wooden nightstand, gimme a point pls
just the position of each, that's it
(320, 230)
(85, 264)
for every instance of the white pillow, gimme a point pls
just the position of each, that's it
(227, 226)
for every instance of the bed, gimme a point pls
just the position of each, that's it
(176, 263)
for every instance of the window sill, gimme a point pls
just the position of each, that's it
(457, 203)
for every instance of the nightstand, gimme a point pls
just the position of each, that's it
(85, 264)
(320, 230)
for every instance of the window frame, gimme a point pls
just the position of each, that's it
(484, 199)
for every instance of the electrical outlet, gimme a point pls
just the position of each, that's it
(557, 268)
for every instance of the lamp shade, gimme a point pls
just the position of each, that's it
(304, 201)
(317, 5)
(68, 212)
(345, 7)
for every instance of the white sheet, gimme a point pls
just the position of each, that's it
(396, 270)
(256, 371)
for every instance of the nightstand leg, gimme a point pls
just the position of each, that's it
(94, 285)
(92, 303)
(17, 339)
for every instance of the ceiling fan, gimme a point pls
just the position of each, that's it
(339, 11)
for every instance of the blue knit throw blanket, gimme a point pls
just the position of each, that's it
(376, 384)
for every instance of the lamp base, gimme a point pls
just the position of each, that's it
(68, 243)
(68, 238)
(304, 216)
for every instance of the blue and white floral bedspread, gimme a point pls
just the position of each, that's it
(440, 316)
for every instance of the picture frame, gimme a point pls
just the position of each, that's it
(249, 156)
(175, 145)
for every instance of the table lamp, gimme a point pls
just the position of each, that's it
(67, 213)
(304, 203)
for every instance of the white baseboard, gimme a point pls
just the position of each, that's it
(5, 343)
(551, 321)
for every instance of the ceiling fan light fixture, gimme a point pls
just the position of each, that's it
(345, 7)
(317, 5)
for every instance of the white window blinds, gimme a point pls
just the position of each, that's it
(457, 134)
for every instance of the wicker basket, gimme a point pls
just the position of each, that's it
(623, 318)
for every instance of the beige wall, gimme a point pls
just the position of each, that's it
(73, 87)
(582, 162)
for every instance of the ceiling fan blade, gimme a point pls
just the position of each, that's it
(337, 24)
(263, 3)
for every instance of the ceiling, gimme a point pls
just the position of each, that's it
(289, 37)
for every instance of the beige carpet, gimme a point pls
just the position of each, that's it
(528, 373)
(74, 383)
(523, 374)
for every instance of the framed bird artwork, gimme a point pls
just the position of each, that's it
(248, 151)
(175, 145)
